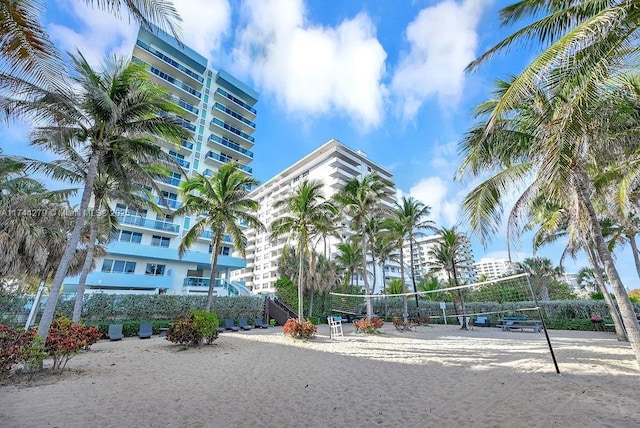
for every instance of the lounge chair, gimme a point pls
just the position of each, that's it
(243, 324)
(229, 325)
(115, 332)
(258, 323)
(145, 331)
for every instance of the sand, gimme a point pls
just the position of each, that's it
(434, 377)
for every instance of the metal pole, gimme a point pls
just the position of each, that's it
(544, 326)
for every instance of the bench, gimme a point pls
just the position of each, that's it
(521, 324)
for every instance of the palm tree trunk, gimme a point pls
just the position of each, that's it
(300, 273)
(622, 298)
(636, 255)
(88, 260)
(461, 297)
(384, 288)
(311, 304)
(365, 276)
(405, 304)
(72, 245)
(413, 279)
(613, 311)
(215, 243)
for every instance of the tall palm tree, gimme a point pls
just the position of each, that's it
(224, 202)
(349, 258)
(307, 208)
(361, 198)
(414, 214)
(398, 228)
(27, 51)
(545, 144)
(543, 272)
(447, 254)
(97, 114)
(386, 250)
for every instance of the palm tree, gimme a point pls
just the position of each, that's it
(385, 248)
(27, 51)
(307, 208)
(546, 144)
(349, 258)
(447, 255)
(398, 228)
(413, 212)
(359, 200)
(224, 201)
(97, 114)
(542, 272)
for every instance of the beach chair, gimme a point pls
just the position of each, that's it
(115, 332)
(258, 323)
(145, 331)
(243, 324)
(230, 325)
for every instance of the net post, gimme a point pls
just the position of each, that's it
(544, 325)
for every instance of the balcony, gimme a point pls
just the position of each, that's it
(233, 146)
(169, 81)
(240, 120)
(171, 203)
(231, 130)
(184, 105)
(183, 163)
(171, 181)
(207, 234)
(170, 61)
(149, 223)
(226, 97)
(186, 144)
(223, 159)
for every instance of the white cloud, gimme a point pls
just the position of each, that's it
(443, 39)
(100, 33)
(204, 24)
(437, 193)
(311, 69)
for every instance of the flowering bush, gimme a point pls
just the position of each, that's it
(369, 326)
(296, 329)
(10, 342)
(66, 339)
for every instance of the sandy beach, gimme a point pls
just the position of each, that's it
(437, 376)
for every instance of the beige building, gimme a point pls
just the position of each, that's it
(334, 164)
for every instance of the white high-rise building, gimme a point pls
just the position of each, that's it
(493, 268)
(218, 110)
(332, 164)
(423, 261)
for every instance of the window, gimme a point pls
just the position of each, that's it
(124, 210)
(128, 236)
(154, 269)
(160, 241)
(224, 251)
(118, 266)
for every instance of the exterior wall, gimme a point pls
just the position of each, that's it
(218, 110)
(423, 262)
(333, 164)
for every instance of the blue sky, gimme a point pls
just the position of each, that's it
(384, 77)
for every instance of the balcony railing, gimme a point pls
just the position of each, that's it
(231, 129)
(204, 282)
(172, 181)
(172, 203)
(187, 144)
(207, 234)
(231, 145)
(149, 223)
(224, 159)
(236, 100)
(234, 114)
(183, 163)
(185, 105)
(170, 61)
(175, 82)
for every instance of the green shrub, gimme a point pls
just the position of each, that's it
(206, 324)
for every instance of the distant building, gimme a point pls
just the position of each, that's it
(423, 262)
(333, 164)
(493, 268)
